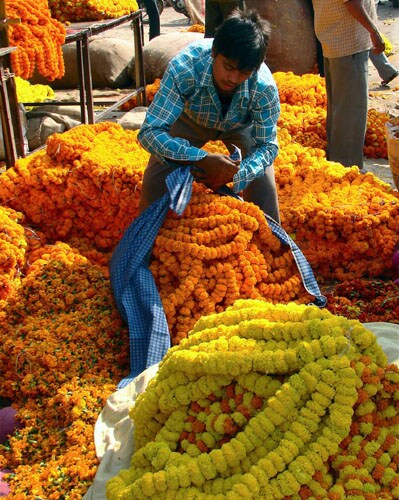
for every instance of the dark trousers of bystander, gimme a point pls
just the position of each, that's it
(153, 17)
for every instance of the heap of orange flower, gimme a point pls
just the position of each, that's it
(38, 38)
(61, 357)
(12, 250)
(87, 183)
(196, 28)
(90, 10)
(150, 89)
(219, 250)
(303, 113)
(346, 223)
(64, 345)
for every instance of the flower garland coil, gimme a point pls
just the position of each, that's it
(230, 414)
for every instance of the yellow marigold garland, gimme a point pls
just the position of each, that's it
(253, 403)
(38, 37)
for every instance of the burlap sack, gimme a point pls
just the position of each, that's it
(110, 61)
(160, 50)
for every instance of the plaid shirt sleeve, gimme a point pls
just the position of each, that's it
(265, 114)
(165, 109)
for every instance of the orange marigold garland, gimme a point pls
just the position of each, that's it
(39, 39)
(90, 10)
(86, 183)
(219, 250)
(12, 251)
(346, 223)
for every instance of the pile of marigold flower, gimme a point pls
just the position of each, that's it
(196, 28)
(12, 251)
(26, 92)
(345, 222)
(38, 38)
(267, 401)
(63, 350)
(88, 182)
(219, 250)
(90, 10)
(66, 207)
(303, 112)
(150, 89)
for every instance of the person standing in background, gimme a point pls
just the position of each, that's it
(347, 32)
(153, 17)
(216, 11)
(385, 69)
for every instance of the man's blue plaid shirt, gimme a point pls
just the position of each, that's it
(187, 86)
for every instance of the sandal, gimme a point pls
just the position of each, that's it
(386, 82)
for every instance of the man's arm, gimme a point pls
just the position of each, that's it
(154, 135)
(264, 131)
(357, 11)
(213, 170)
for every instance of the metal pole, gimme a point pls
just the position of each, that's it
(9, 92)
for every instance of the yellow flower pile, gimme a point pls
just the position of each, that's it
(90, 10)
(259, 402)
(346, 223)
(27, 92)
(303, 112)
(38, 38)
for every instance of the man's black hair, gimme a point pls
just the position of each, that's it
(243, 37)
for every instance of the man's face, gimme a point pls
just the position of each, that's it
(226, 76)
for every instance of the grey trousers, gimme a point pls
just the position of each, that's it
(262, 191)
(347, 105)
(385, 69)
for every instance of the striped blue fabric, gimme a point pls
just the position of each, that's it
(133, 285)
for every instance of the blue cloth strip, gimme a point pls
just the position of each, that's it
(133, 285)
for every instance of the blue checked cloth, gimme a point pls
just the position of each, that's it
(133, 285)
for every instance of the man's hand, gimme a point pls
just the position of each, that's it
(215, 170)
(378, 42)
